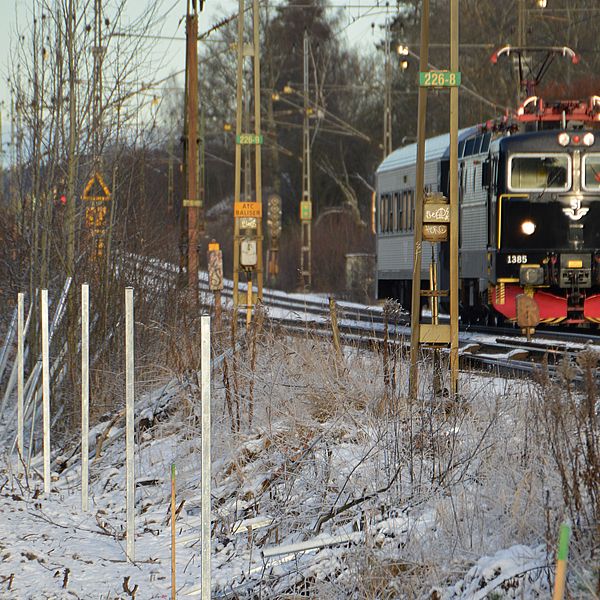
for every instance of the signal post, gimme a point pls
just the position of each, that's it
(435, 218)
(274, 226)
(306, 202)
(248, 238)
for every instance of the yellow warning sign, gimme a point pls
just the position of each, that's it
(247, 209)
(101, 193)
(95, 216)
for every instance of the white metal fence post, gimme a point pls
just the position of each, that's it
(20, 374)
(46, 390)
(206, 470)
(85, 392)
(129, 421)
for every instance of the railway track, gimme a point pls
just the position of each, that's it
(501, 350)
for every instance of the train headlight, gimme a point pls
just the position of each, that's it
(527, 227)
(588, 139)
(563, 139)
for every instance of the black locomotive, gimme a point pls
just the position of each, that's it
(529, 198)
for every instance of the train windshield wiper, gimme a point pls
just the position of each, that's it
(596, 173)
(549, 183)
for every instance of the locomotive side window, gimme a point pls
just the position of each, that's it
(591, 169)
(539, 172)
(485, 143)
(469, 147)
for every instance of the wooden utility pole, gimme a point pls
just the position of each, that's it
(71, 213)
(13, 162)
(434, 217)
(170, 179)
(202, 171)
(192, 202)
(248, 238)
(387, 97)
(454, 224)
(306, 203)
(520, 58)
(1, 158)
(415, 313)
(98, 51)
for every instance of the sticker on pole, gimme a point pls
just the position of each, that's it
(215, 268)
(247, 209)
(305, 210)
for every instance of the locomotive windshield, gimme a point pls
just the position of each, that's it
(591, 168)
(540, 172)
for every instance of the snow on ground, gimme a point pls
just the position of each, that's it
(336, 490)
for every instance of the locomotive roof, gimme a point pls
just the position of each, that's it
(436, 148)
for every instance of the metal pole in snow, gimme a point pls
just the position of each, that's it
(206, 545)
(85, 392)
(129, 421)
(46, 390)
(20, 373)
(561, 562)
(173, 530)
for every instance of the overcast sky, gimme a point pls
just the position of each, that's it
(170, 54)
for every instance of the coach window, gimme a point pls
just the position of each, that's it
(539, 172)
(591, 169)
(390, 223)
(388, 212)
(398, 204)
(404, 211)
(382, 213)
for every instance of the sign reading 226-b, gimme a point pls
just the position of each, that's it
(516, 259)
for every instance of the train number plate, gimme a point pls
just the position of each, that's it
(516, 259)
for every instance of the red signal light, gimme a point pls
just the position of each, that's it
(63, 199)
(576, 139)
